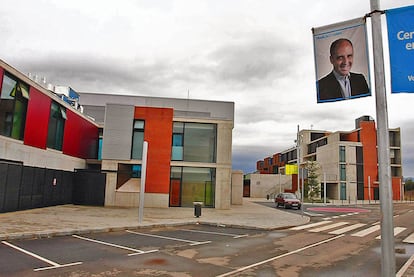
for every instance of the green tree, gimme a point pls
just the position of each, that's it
(313, 186)
(409, 184)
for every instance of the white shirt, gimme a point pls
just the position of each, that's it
(345, 84)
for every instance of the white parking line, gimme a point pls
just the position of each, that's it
(54, 264)
(235, 236)
(397, 230)
(279, 257)
(169, 238)
(409, 239)
(309, 225)
(367, 231)
(331, 226)
(347, 229)
(136, 251)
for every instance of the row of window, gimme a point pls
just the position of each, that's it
(14, 100)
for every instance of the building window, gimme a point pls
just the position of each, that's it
(178, 142)
(194, 142)
(126, 172)
(100, 143)
(343, 191)
(191, 184)
(342, 157)
(13, 107)
(342, 173)
(56, 126)
(136, 171)
(137, 139)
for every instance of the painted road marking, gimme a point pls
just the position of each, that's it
(367, 231)
(347, 229)
(169, 238)
(279, 257)
(235, 236)
(310, 225)
(52, 263)
(136, 251)
(331, 226)
(397, 230)
(409, 239)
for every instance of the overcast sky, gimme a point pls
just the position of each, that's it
(258, 54)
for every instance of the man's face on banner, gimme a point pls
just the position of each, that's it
(342, 58)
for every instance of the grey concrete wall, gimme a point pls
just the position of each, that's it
(15, 150)
(262, 185)
(237, 187)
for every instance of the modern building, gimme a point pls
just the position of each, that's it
(189, 149)
(55, 141)
(348, 160)
(42, 140)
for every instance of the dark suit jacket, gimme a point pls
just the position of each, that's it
(330, 89)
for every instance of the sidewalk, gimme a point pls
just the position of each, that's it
(72, 219)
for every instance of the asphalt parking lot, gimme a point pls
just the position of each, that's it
(56, 255)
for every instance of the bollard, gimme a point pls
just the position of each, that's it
(197, 208)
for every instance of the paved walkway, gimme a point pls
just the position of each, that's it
(72, 219)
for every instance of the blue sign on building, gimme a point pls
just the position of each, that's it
(400, 23)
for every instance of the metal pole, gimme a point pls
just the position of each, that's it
(324, 188)
(303, 186)
(298, 156)
(369, 189)
(280, 185)
(143, 177)
(387, 226)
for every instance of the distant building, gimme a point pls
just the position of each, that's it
(348, 159)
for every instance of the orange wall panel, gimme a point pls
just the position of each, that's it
(158, 134)
(396, 188)
(368, 137)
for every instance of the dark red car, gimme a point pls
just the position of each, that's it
(287, 200)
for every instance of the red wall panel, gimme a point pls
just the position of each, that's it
(37, 119)
(158, 133)
(80, 137)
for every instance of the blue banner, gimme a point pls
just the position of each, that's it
(400, 24)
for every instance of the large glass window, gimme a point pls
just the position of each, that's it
(56, 126)
(13, 107)
(194, 142)
(137, 139)
(192, 184)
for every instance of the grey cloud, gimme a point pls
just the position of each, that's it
(253, 61)
(88, 73)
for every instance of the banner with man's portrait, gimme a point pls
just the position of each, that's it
(341, 61)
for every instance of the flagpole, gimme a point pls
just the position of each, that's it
(384, 169)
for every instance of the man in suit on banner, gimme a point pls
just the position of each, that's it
(341, 83)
